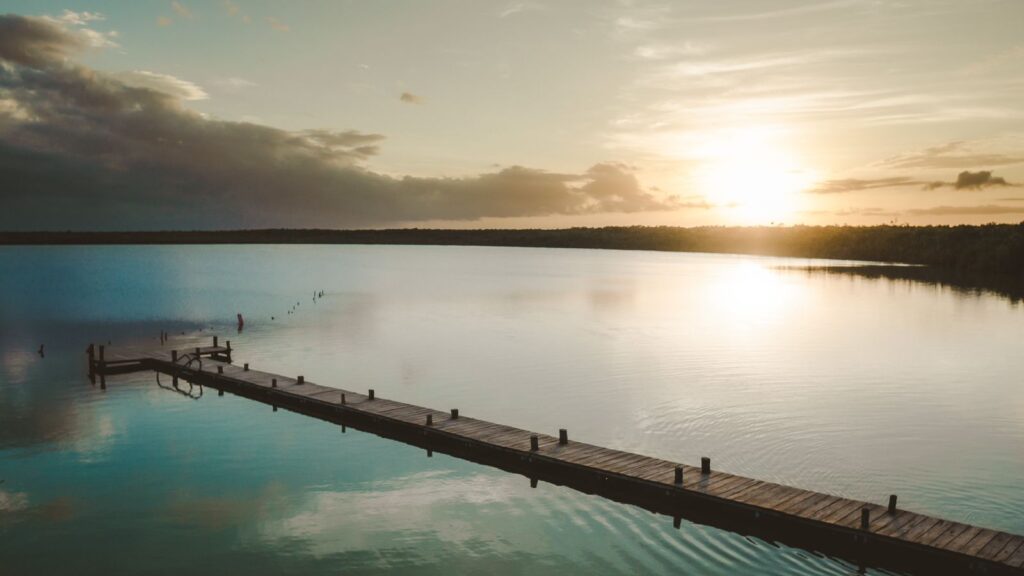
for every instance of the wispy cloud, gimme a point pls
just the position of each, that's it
(518, 8)
(277, 24)
(858, 185)
(410, 98)
(982, 210)
(956, 154)
(182, 10)
(181, 89)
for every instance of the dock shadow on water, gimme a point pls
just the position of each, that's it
(1006, 286)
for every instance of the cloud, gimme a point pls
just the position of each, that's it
(967, 180)
(277, 24)
(410, 98)
(36, 42)
(518, 7)
(182, 10)
(235, 83)
(181, 89)
(83, 149)
(945, 156)
(857, 185)
(79, 18)
(987, 209)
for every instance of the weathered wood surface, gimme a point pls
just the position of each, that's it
(975, 548)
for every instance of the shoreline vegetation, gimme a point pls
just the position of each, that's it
(970, 259)
(985, 249)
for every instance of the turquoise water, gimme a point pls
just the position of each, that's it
(852, 386)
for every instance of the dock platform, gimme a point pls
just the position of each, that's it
(868, 534)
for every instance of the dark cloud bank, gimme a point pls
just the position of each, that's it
(80, 149)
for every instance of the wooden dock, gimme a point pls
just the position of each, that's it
(865, 533)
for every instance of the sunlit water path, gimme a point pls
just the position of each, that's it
(852, 386)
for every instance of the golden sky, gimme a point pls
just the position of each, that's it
(510, 114)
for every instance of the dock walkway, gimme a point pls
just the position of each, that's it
(866, 533)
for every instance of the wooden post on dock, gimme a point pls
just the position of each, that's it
(455, 413)
(197, 352)
(103, 380)
(892, 504)
(679, 475)
(563, 436)
(302, 380)
(228, 343)
(174, 356)
(534, 443)
(371, 393)
(705, 465)
(245, 367)
(865, 517)
(220, 369)
(91, 351)
(273, 382)
(430, 419)
(214, 341)
(343, 398)
(103, 358)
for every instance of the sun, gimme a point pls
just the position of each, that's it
(752, 175)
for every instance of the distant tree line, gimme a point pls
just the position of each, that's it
(988, 249)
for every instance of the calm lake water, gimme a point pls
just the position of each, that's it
(851, 386)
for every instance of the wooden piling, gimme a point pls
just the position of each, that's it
(679, 475)
(273, 383)
(245, 367)
(534, 443)
(91, 351)
(302, 380)
(343, 398)
(220, 369)
(455, 413)
(705, 465)
(430, 419)
(214, 341)
(174, 356)
(892, 504)
(563, 436)
(371, 394)
(865, 518)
